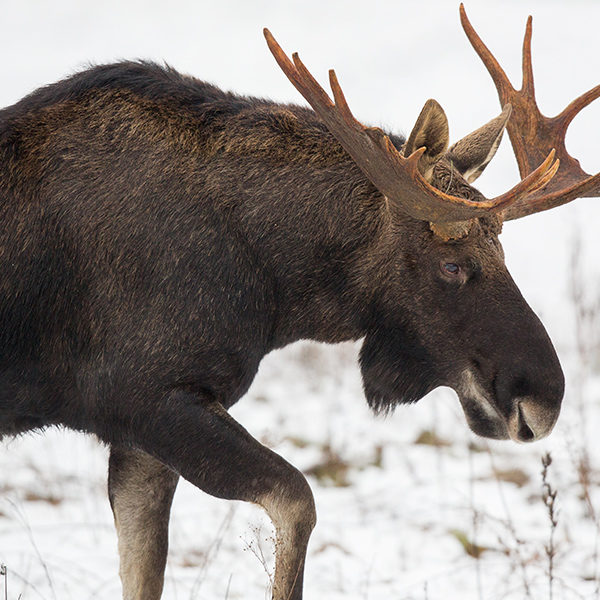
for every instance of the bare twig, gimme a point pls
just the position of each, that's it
(228, 586)
(20, 514)
(549, 497)
(255, 546)
(510, 526)
(4, 574)
(586, 310)
(476, 520)
(212, 552)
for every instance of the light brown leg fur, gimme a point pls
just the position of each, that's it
(294, 518)
(141, 492)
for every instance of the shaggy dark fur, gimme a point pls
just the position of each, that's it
(159, 236)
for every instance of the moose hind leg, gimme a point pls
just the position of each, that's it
(200, 440)
(141, 492)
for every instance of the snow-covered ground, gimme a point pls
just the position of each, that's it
(459, 518)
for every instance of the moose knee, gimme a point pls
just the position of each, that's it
(291, 507)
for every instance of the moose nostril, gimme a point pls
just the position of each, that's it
(525, 433)
(531, 420)
(523, 425)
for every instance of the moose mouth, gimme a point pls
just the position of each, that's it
(526, 421)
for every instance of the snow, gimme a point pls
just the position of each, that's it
(393, 530)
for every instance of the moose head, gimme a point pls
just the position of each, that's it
(460, 320)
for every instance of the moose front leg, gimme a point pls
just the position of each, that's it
(141, 491)
(292, 511)
(203, 443)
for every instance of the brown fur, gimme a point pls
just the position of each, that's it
(161, 236)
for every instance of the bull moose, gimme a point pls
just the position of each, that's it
(160, 236)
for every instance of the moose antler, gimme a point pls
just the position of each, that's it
(395, 176)
(532, 134)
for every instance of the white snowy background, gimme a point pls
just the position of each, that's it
(412, 506)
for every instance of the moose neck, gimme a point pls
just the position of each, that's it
(312, 220)
(316, 230)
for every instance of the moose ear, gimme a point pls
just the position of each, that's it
(471, 155)
(430, 131)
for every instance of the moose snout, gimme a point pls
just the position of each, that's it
(531, 394)
(531, 420)
(521, 401)
(518, 408)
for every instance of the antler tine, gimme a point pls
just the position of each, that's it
(528, 85)
(501, 80)
(395, 176)
(338, 96)
(545, 200)
(567, 115)
(533, 135)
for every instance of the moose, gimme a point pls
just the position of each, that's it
(160, 236)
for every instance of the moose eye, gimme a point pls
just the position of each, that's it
(451, 269)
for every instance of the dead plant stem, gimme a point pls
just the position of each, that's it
(549, 496)
(4, 574)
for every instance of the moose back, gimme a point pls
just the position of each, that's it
(160, 236)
